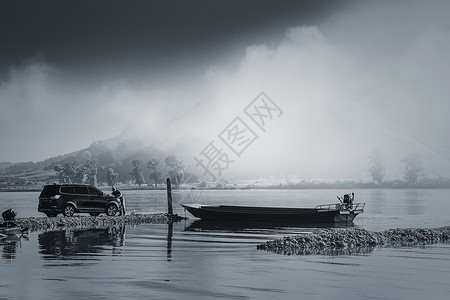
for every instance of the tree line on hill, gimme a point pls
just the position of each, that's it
(128, 163)
(88, 172)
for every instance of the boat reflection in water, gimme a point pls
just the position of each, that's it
(72, 242)
(10, 245)
(238, 225)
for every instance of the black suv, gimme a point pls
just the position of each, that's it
(76, 198)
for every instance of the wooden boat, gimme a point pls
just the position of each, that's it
(325, 213)
(4, 232)
(8, 228)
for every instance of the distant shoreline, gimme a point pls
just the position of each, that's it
(309, 186)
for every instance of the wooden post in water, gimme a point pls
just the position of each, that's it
(169, 198)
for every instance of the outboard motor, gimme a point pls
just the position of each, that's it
(346, 199)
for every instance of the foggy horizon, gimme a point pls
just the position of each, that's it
(348, 77)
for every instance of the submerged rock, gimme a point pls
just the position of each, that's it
(43, 223)
(352, 241)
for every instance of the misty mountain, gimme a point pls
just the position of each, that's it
(116, 153)
(5, 164)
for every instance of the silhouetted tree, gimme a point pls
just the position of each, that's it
(91, 172)
(63, 178)
(176, 169)
(413, 168)
(80, 174)
(154, 173)
(377, 169)
(138, 171)
(71, 172)
(111, 177)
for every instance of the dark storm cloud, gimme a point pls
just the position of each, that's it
(135, 36)
(90, 68)
(349, 76)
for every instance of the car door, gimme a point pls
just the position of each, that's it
(81, 196)
(66, 196)
(98, 199)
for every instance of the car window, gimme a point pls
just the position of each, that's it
(67, 190)
(80, 190)
(94, 191)
(50, 190)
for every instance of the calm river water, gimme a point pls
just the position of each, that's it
(191, 261)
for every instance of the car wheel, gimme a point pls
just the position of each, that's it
(69, 210)
(94, 214)
(111, 210)
(51, 215)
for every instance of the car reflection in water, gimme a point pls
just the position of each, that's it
(75, 242)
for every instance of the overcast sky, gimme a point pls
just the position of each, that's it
(349, 76)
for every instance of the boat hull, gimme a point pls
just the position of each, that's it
(250, 213)
(9, 233)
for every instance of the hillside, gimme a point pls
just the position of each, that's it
(116, 153)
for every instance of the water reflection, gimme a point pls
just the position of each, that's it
(10, 246)
(415, 201)
(378, 197)
(10, 243)
(169, 240)
(72, 242)
(236, 226)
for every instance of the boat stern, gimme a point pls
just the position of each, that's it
(348, 214)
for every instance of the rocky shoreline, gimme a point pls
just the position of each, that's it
(354, 240)
(60, 222)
